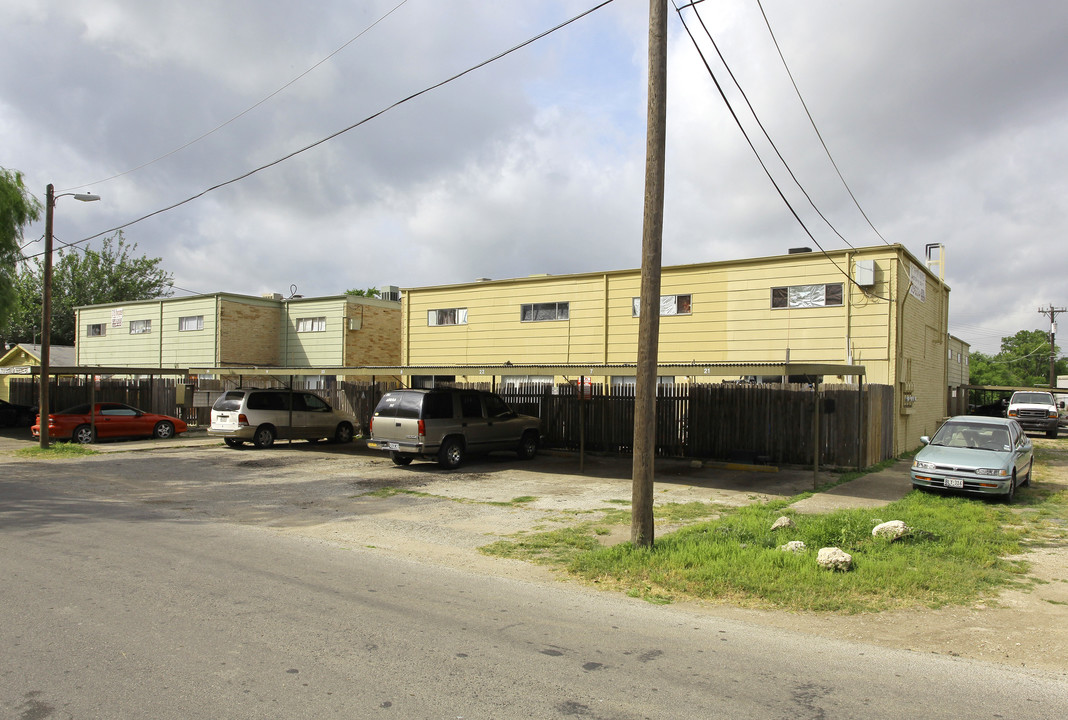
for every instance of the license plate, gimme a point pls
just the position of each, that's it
(954, 483)
(393, 446)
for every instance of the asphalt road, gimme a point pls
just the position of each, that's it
(111, 610)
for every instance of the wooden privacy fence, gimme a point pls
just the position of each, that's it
(770, 423)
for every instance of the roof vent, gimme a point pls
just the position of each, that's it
(798, 251)
(272, 296)
(389, 292)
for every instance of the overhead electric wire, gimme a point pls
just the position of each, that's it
(813, 122)
(245, 111)
(763, 165)
(367, 119)
(763, 129)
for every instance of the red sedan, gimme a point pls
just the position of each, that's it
(85, 423)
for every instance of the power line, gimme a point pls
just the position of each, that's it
(813, 122)
(763, 129)
(763, 165)
(247, 110)
(367, 119)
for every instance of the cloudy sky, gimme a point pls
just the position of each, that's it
(948, 120)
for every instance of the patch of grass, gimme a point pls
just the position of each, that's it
(957, 554)
(56, 450)
(555, 547)
(388, 492)
(522, 499)
(962, 549)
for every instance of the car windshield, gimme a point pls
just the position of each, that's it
(1038, 398)
(972, 435)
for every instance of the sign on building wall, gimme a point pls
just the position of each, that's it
(918, 286)
(116, 317)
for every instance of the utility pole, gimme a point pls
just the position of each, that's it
(1052, 312)
(641, 528)
(46, 320)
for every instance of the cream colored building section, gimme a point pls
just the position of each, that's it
(898, 338)
(225, 329)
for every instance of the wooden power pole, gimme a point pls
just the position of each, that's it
(1052, 312)
(641, 529)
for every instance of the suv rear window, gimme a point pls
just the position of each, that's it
(229, 401)
(400, 405)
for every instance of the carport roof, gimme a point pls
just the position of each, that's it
(695, 369)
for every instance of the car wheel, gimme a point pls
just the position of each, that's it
(344, 433)
(1052, 433)
(1011, 493)
(233, 442)
(163, 430)
(264, 437)
(83, 434)
(528, 446)
(400, 458)
(451, 455)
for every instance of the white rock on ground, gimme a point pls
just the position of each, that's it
(833, 558)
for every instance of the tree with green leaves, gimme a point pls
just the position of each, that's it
(90, 277)
(18, 208)
(369, 292)
(1022, 361)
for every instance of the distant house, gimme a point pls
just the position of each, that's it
(225, 329)
(18, 360)
(878, 307)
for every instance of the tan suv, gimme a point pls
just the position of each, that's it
(449, 424)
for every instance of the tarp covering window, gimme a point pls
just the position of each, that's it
(806, 296)
(534, 312)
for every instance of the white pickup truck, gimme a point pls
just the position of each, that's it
(1035, 410)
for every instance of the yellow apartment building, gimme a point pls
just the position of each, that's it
(879, 307)
(224, 329)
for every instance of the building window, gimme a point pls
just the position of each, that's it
(447, 316)
(193, 322)
(669, 305)
(96, 330)
(807, 296)
(311, 324)
(537, 312)
(140, 327)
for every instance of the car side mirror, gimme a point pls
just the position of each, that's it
(925, 440)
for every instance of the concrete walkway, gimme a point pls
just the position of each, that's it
(872, 490)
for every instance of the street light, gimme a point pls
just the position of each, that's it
(46, 306)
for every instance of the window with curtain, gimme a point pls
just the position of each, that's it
(446, 316)
(311, 324)
(193, 322)
(669, 305)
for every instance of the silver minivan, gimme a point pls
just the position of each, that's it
(260, 416)
(449, 424)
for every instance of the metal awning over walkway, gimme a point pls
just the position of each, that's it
(695, 370)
